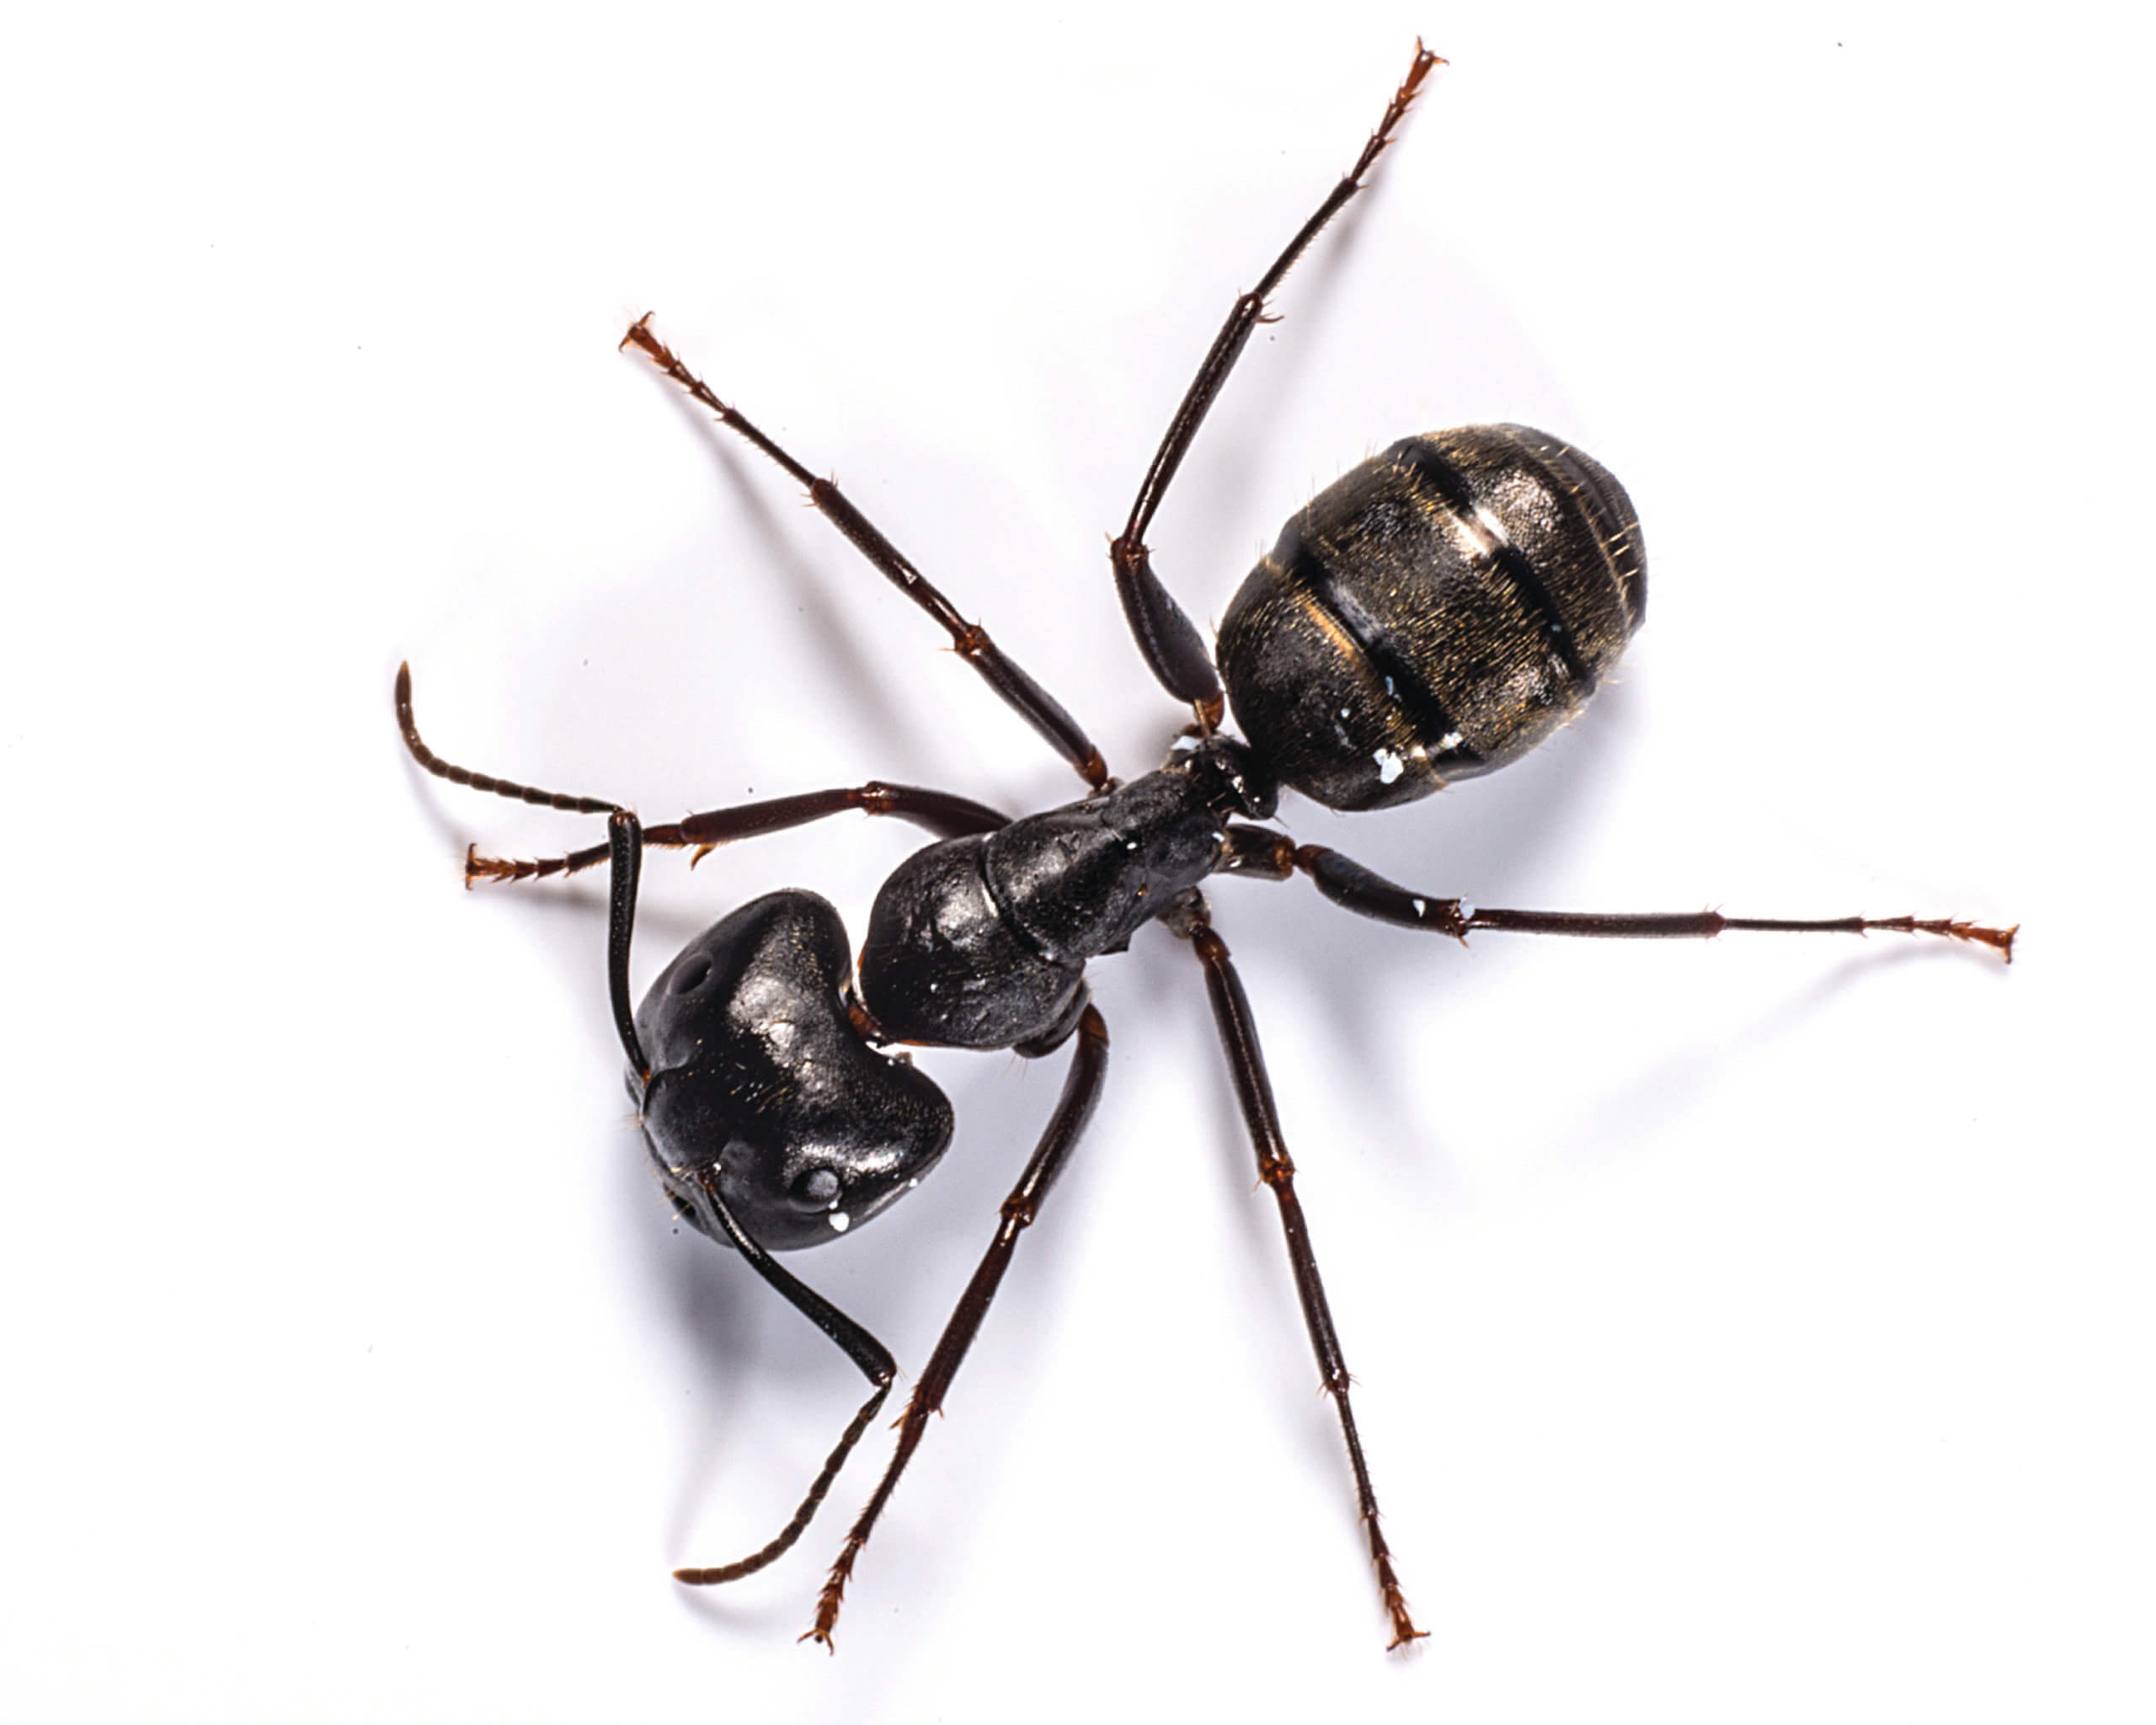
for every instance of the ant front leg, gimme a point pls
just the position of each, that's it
(945, 815)
(1271, 856)
(699, 1189)
(939, 812)
(1172, 648)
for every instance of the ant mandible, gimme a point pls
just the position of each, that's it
(1430, 616)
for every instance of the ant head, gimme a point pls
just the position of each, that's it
(759, 1074)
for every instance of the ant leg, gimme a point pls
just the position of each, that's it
(947, 816)
(1081, 1089)
(1172, 648)
(1027, 698)
(1272, 855)
(942, 814)
(699, 1189)
(1254, 1091)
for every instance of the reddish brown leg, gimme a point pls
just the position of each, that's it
(1082, 1088)
(1027, 698)
(941, 813)
(1273, 856)
(1254, 1091)
(1172, 648)
(947, 816)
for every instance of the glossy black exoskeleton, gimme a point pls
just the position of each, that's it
(1433, 614)
(983, 942)
(1430, 616)
(759, 1079)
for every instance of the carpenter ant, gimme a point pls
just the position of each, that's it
(1431, 615)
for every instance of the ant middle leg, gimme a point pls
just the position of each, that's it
(1272, 856)
(1238, 1030)
(1081, 1089)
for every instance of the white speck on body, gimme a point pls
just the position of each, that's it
(1422, 907)
(1450, 740)
(840, 1222)
(1389, 766)
(1492, 530)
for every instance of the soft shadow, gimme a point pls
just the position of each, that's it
(1674, 1085)
(900, 1277)
(853, 681)
(1224, 485)
(1465, 842)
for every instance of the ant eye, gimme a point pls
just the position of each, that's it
(817, 1189)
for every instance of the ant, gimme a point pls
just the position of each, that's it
(1430, 616)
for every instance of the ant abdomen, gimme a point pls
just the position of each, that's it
(1433, 614)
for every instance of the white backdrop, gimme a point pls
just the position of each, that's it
(1747, 1330)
